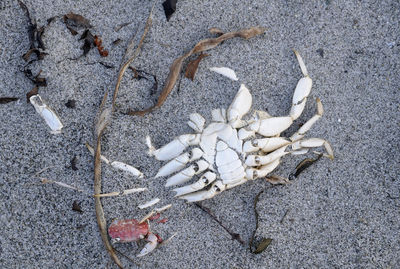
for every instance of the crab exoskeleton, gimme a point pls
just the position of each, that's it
(228, 153)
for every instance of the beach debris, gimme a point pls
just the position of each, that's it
(48, 114)
(169, 8)
(97, 42)
(225, 71)
(61, 184)
(127, 168)
(117, 165)
(70, 103)
(32, 92)
(121, 193)
(304, 164)
(73, 21)
(149, 203)
(5, 100)
(234, 236)
(103, 119)
(193, 65)
(74, 161)
(76, 206)
(203, 45)
(230, 152)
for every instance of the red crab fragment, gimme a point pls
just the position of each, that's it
(130, 230)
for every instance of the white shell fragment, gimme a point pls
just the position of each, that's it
(225, 71)
(47, 114)
(149, 203)
(163, 208)
(127, 168)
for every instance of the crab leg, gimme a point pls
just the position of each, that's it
(302, 90)
(206, 179)
(179, 162)
(187, 173)
(307, 126)
(216, 188)
(265, 144)
(257, 160)
(271, 126)
(263, 171)
(173, 148)
(313, 143)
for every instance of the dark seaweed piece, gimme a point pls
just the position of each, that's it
(88, 43)
(5, 100)
(71, 103)
(169, 8)
(74, 161)
(303, 165)
(264, 243)
(139, 74)
(320, 52)
(39, 54)
(76, 206)
(76, 20)
(32, 92)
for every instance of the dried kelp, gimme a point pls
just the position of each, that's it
(88, 41)
(36, 47)
(235, 236)
(193, 65)
(70, 103)
(5, 100)
(76, 206)
(202, 46)
(31, 93)
(169, 8)
(76, 20)
(304, 164)
(264, 242)
(103, 119)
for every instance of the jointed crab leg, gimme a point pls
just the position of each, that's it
(307, 126)
(179, 162)
(206, 179)
(271, 126)
(216, 188)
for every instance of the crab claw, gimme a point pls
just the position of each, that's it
(152, 240)
(216, 188)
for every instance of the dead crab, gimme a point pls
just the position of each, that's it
(227, 151)
(131, 230)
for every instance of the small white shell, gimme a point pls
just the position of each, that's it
(127, 168)
(225, 71)
(149, 203)
(47, 114)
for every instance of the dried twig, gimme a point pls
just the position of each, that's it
(103, 119)
(203, 45)
(235, 236)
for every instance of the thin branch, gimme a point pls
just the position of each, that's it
(235, 236)
(103, 119)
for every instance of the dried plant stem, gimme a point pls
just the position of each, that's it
(103, 119)
(235, 236)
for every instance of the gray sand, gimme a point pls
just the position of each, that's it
(340, 214)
